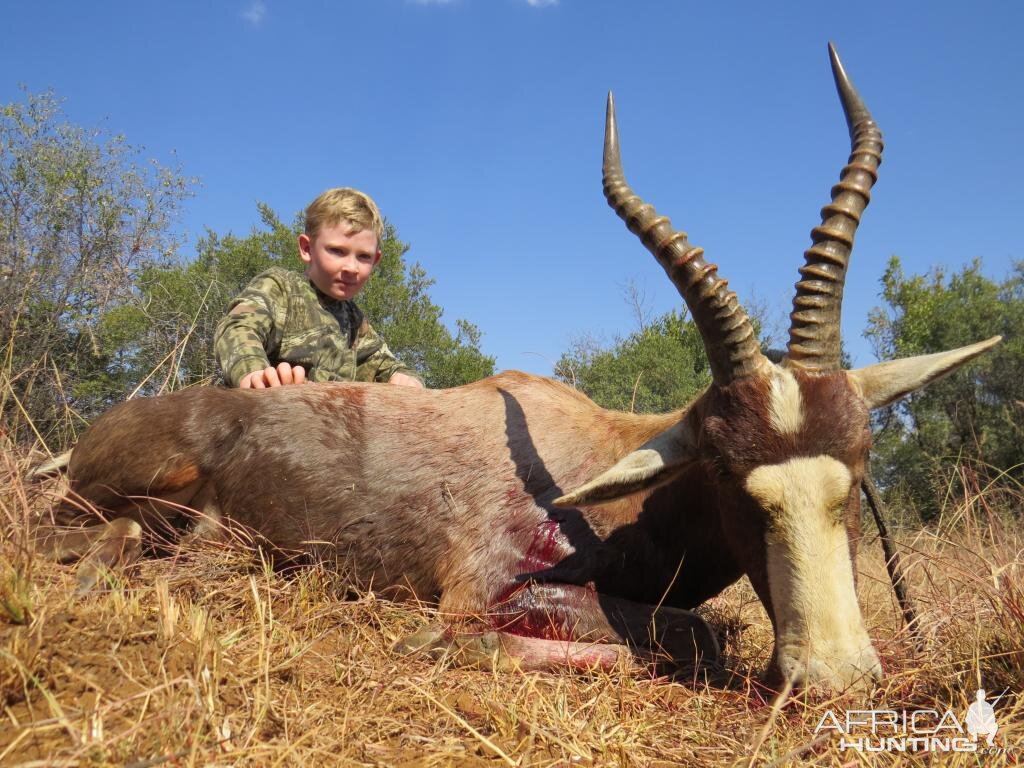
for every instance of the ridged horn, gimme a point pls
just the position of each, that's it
(728, 335)
(817, 305)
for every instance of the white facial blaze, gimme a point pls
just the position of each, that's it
(786, 408)
(820, 633)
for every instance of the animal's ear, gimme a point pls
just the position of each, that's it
(884, 383)
(655, 462)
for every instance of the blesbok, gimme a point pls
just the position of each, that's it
(484, 499)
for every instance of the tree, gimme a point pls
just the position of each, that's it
(968, 425)
(95, 305)
(398, 304)
(80, 218)
(658, 367)
(166, 335)
(181, 305)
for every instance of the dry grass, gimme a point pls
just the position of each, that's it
(211, 658)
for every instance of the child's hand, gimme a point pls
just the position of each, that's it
(405, 380)
(283, 374)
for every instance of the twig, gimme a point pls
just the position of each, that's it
(823, 739)
(777, 705)
(28, 419)
(455, 716)
(179, 348)
(55, 708)
(636, 386)
(892, 561)
(170, 355)
(158, 760)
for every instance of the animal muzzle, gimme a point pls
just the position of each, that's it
(820, 639)
(831, 666)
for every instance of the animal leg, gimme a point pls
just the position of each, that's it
(113, 544)
(209, 521)
(552, 626)
(570, 612)
(492, 649)
(118, 546)
(80, 531)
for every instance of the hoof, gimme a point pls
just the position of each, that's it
(418, 642)
(119, 545)
(475, 650)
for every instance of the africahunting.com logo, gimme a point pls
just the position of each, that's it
(915, 730)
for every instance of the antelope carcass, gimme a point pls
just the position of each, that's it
(547, 529)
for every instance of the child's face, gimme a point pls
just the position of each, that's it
(338, 260)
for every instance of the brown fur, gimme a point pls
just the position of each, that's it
(736, 433)
(406, 486)
(441, 495)
(446, 495)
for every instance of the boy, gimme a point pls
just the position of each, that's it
(285, 327)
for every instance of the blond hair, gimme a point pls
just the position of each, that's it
(344, 204)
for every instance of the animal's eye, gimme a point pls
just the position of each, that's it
(718, 465)
(837, 511)
(773, 519)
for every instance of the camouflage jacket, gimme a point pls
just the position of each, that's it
(281, 317)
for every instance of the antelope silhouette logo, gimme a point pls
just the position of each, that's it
(981, 718)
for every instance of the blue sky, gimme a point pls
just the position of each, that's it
(477, 126)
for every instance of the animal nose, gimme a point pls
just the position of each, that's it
(829, 674)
